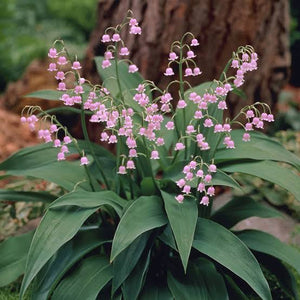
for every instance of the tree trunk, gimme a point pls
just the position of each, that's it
(220, 26)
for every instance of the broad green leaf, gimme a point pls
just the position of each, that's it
(144, 214)
(89, 200)
(266, 243)
(13, 253)
(224, 247)
(132, 286)
(167, 237)
(86, 281)
(183, 219)
(46, 94)
(240, 208)
(40, 161)
(128, 81)
(125, 262)
(58, 226)
(23, 196)
(65, 258)
(239, 93)
(261, 147)
(202, 281)
(221, 178)
(269, 171)
(155, 291)
(233, 289)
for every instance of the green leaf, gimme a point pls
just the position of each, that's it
(261, 147)
(233, 289)
(46, 94)
(58, 226)
(13, 253)
(86, 281)
(183, 219)
(144, 214)
(240, 208)
(65, 258)
(269, 171)
(239, 93)
(23, 196)
(201, 281)
(125, 262)
(221, 178)
(128, 81)
(266, 243)
(90, 200)
(155, 291)
(233, 254)
(132, 286)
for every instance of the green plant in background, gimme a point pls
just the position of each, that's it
(27, 26)
(140, 224)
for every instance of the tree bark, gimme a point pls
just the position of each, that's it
(221, 26)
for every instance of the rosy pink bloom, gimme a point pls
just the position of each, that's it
(130, 164)
(194, 42)
(60, 75)
(52, 67)
(132, 153)
(61, 156)
(105, 38)
(204, 200)
(81, 80)
(169, 72)
(212, 168)
(53, 128)
(200, 173)
(160, 141)
(61, 86)
(248, 127)
(250, 113)
(193, 164)
(78, 89)
(201, 187)
(76, 65)
(173, 56)
(235, 64)
(211, 191)
(124, 51)
(190, 129)
(23, 120)
(198, 114)
(255, 121)
(218, 128)
(260, 124)
(56, 143)
(108, 55)
(133, 69)
(116, 37)
(181, 104)
(135, 30)
(133, 22)
(112, 139)
(180, 183)
(62, 60)
(226, 127)
(208, 123)
(122, 170)
(154, 155)
(264, 116)
(189, 176)
(106, 63)
(197, 71)
(245, 57)
(191, 54)
(186, 189)
(179, 198)
(130, 142)
(188, 72)
(227, 87)
(222, 105)
(179, 146)
(230, 144)
(270, 118)
(207, 178)
(52, 53)
(170, 125)
(84, 161)
(246, 137)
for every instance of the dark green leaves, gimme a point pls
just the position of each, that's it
(144, 214)
(86, 281)
(240, 208)
(224, 247)
(13, 253)
(183, 219)
(46, 94)
(10, 195)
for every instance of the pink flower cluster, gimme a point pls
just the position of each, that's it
(199, 174)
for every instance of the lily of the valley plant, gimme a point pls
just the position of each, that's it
(141, 224)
